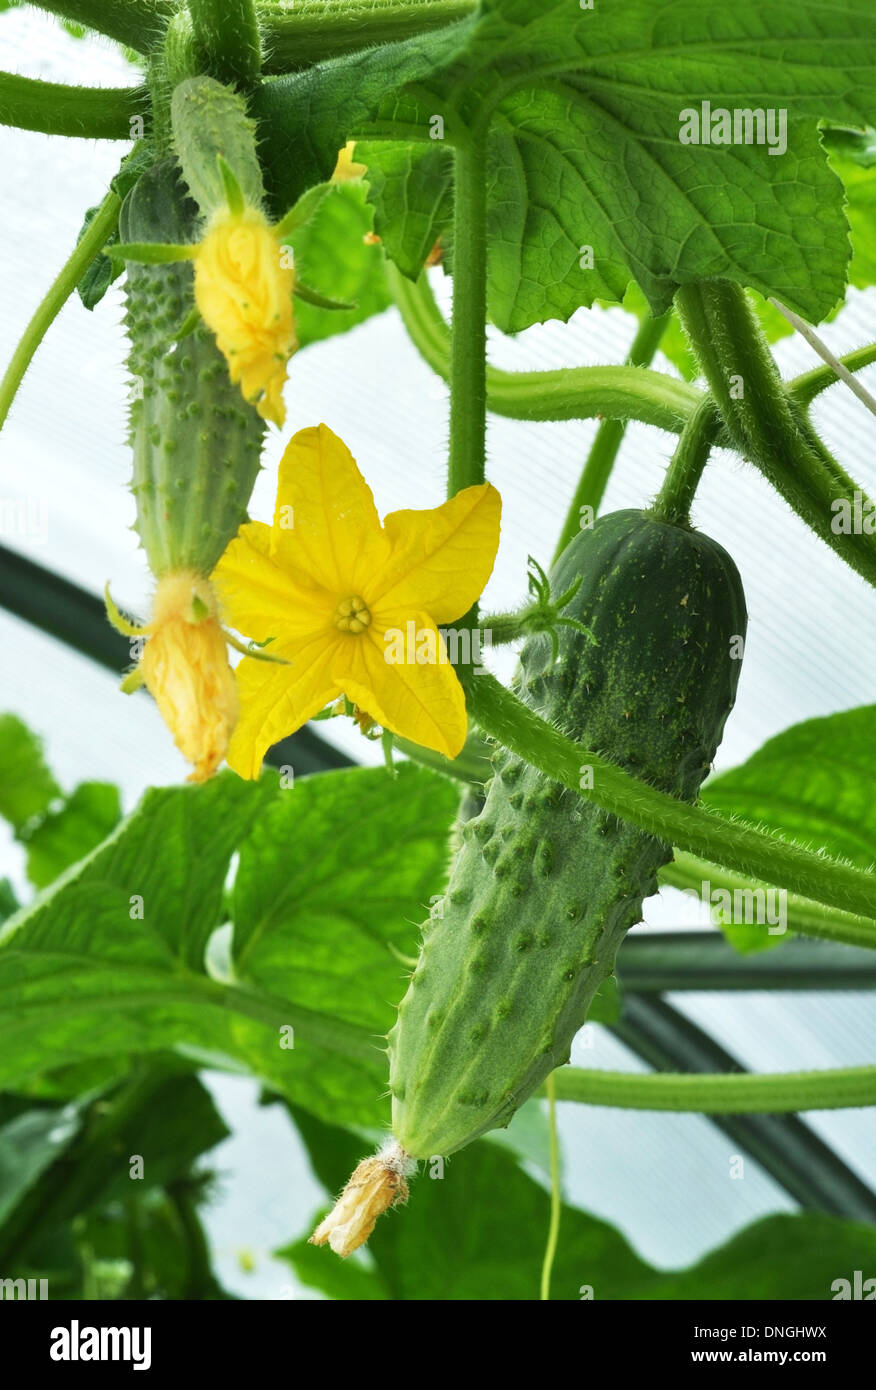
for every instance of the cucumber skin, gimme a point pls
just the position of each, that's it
(196, 442)
(546, 885)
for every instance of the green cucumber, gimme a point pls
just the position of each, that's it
(545, 884)
(196, 442)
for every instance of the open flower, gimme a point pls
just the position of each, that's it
(243, 289)
(331, 590)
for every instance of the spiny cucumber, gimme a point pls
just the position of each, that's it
(546, 885)
(196, 442)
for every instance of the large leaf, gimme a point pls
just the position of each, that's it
(585, 151)
(306, 117)
(814, 782)
(479, 1234)
(109, 962)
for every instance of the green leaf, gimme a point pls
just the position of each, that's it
(109, 962)
(65, 836)
(332, 256)
(306, 117)
(814, 782)
(27, 787)
(331, 886)
(585, 150)
(479, 1234)
(84, 975)
(103, 270)
(411, 188)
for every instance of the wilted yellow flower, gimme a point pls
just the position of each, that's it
(335, 594)
(377, 1184)
(243, 289)
(185, 668)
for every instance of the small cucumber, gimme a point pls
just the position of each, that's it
(546, 885)
(196, 442)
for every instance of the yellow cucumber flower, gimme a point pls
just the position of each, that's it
(185, 668)
(333, 593)
(243, 289)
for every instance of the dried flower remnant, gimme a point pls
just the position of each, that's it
(377, 1184)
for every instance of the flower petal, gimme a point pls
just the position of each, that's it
(262, 600)
(422, 702)
(325, 523)
(442, 558)
(277, 700)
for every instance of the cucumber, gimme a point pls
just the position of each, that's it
(196, 442)
(546, 885)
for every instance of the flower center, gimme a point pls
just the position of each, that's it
(351, 614)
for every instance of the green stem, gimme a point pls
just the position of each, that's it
(468, 338)
(803, 916)
(784, 1145)
(608, 439)
(227, 34)
(763, 420)
(139, 24)
(556, 1193)
(567, 393)
(661, 962)
(53, 108)
(689, 827)
(675, 498)
(721, 1093)
(805, 388)
(94, 237)
(302, 32)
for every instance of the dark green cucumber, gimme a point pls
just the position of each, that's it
(546, 885)
(196, 442)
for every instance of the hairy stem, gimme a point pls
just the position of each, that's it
(721, 1093)
(762, 418)
(102, 225)
(608, 438)
(675, 498)
(468, 338)
(805, 388)
(568, 393)
(689, 827)
(803, 916)
(227, 34)
(784, 1145)
(91, 113)
(298, 33)
(138, 23)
